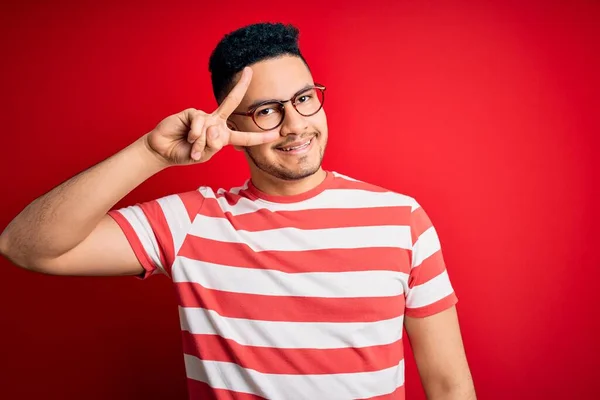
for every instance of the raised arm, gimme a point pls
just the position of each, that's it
(67, 231)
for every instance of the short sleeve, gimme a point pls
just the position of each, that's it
(429, 287)
(156, 229)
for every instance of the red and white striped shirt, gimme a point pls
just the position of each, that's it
(295, 297)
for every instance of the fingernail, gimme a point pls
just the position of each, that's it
(213, 134)
(196, 156)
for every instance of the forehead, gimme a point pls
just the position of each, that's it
(278, 78)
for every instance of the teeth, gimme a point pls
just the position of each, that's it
(297, 147)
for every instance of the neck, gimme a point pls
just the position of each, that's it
(279, 187)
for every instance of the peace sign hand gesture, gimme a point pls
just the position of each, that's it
(193, 136)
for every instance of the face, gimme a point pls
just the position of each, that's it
(299, 151)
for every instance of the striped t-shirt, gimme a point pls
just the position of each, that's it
(293, 297)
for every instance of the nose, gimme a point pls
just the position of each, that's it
(293, 123)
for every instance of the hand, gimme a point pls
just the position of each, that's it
(193, 136)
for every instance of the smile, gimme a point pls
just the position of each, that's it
(298, 147)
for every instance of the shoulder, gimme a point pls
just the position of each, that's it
(365, 189)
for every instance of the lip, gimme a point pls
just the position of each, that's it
(298, 151)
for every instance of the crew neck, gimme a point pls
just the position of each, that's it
(294, 198)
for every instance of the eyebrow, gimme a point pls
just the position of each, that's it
(260, 102)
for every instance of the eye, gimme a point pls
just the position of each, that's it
(304, 98)
(265, 111)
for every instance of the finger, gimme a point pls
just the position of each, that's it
(235, 96)
(214, 141)
(197, 120)
(199, 145)
(237, 138)
(186, 116)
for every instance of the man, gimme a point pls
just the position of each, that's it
(295, 285)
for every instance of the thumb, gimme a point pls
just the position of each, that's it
(215, 140)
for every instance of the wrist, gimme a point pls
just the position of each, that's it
(154, 160)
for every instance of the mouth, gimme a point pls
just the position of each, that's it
(297, 147)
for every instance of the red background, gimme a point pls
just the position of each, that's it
(486, 112)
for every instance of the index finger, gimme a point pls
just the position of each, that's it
(245, 139)
(235, 96)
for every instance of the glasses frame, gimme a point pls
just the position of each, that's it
(250, 113)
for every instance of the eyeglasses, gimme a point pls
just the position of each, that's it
(270, 114)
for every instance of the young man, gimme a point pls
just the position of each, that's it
(295, 285)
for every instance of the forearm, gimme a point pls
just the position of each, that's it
(59, 220)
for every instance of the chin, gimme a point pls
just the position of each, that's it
(288, 170)
(296, 175)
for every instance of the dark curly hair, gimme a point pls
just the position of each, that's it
(246, 46)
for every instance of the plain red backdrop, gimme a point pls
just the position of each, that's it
(486, 112)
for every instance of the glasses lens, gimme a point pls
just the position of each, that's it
(309, 102)
(268, 116)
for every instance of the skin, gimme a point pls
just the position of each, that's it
(439, 352)
(67, 231)
(271, 171)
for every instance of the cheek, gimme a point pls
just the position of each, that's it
(247, 125)
(263, 151)
(320, 122)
